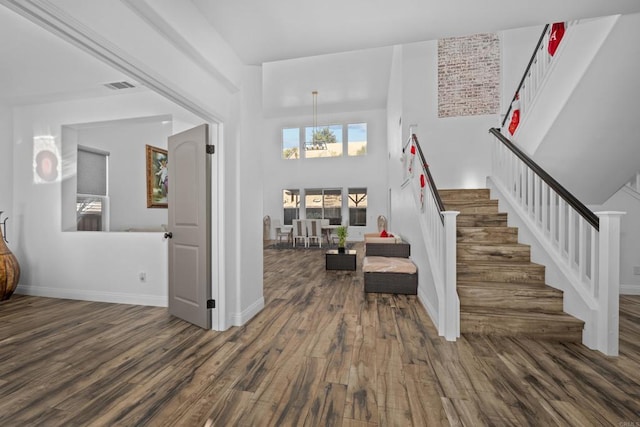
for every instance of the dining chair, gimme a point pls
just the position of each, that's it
(314, 231)
(281, 231)
(300, 232)
(324, 223)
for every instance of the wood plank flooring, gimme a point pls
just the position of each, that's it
(321, 353)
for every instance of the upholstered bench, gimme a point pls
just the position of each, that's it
(390, 275)
(388, 269)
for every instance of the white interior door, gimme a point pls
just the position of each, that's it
(189, 234)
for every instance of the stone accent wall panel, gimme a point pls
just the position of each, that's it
(469, 75)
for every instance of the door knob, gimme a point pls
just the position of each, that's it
(168, 235)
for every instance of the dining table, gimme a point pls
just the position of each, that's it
(327, 229)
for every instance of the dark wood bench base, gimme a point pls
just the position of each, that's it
(391, 283)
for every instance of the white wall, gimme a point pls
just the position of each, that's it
(249, 197)
(84, 265)
(367, 171)
(125, 141)
(585, 114)
(404, 215)
(6, 163)
(457, 149)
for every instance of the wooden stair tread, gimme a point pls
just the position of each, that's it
(514, 252)
(500, 234)
(540, 325)
(522, 296)
(482, 219)
(515, 246)
(501, 291)
(472, 206)
(507, 286)
(508, 313)
(467, 194)
(502, 264)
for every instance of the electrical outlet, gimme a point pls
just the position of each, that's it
(142, 276)
(636, 270)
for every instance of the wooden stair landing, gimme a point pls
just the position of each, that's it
(501, 291)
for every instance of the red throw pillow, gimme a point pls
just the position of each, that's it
(389, 235)
(384, 233)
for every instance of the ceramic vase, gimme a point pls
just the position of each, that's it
(9, 270)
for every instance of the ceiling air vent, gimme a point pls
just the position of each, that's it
(119, 85)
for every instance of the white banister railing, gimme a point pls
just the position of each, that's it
(586, 249)
(451, 304)
(439, 232)
(536, 73)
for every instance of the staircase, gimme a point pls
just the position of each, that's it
(501, 291)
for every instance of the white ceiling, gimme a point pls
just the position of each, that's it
(301, 44)
(37, 67)
(263, 31)
(350, 81)
(288, 37)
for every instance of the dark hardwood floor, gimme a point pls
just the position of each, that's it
(320, 353)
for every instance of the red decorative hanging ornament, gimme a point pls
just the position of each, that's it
(555, 36)
(423, 183)
(515, 115)
(411, 159)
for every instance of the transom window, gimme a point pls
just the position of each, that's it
(324, 141)
(357, 139)
(291, 143)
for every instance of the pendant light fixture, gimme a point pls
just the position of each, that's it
(314, 136)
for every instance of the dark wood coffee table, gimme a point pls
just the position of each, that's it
(338, 261)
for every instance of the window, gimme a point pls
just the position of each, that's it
(92, 189)
(291, 205)
(324, 204)
(291, 143)
(357, 139)
(327, 142)
(358, 206)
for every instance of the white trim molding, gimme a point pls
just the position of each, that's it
(84, 295)
(239, 319)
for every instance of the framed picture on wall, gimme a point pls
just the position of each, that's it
(157, 177)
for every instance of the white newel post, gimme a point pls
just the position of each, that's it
(608, 295)
(451, 300)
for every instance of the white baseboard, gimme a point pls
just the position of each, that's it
(110, 297)
(239, 319)
(431, 311)
(629, 289)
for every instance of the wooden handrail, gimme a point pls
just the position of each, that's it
(432, 184)
(576, 204)
(526, 71)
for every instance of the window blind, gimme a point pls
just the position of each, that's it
(92, 171)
